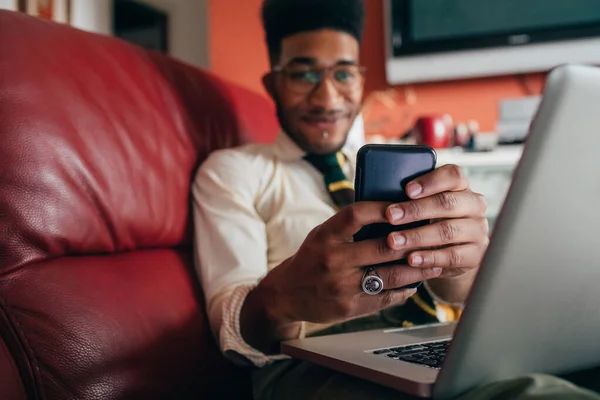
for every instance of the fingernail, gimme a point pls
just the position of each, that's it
(417, 260)
(414, 189)
(397, 213)
(432, 272)
(411, 292)
(399, 239)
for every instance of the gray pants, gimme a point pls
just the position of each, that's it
(302, 380)
(295, 379)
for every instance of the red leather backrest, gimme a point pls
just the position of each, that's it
(99, 140)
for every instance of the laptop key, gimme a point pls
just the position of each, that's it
(427, 354)
(409, 348)
(433, 364)
(415, 350)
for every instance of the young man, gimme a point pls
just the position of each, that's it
(274, 224)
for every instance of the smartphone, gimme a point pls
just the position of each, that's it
(382, 173)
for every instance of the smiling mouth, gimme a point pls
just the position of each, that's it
(322, 122)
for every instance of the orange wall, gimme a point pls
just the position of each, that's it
(238, 52)
(237, 47)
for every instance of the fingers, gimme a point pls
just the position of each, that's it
(440, 233)
(349, 220)
(393, 276)
(397, 276)
(367, 304)
(448, 177)
(377, 251)
(370, 252)
(441, 205)
(461, 256)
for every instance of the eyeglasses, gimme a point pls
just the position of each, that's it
(303, 79)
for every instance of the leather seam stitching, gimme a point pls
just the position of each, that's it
(28, 349)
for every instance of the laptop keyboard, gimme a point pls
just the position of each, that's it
(428, 354)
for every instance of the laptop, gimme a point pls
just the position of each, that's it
(534, 306)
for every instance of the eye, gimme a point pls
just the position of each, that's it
(306, 76)
(345, 75)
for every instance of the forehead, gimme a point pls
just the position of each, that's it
(325, 47)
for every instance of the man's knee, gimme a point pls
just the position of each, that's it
(531, 387)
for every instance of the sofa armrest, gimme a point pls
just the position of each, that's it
(126, 325)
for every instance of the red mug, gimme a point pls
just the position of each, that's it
(434, 131)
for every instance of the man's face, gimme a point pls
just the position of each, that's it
(317, 87)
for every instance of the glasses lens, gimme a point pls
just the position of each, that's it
(347, 76)
(304, 79)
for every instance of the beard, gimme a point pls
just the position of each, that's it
(300, 138)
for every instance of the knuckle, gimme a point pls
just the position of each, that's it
(482, 246)
(407, 294)
(387, 299)
(414, 209)
(447, 200)
(413, 237)
(352, 214)
(346, 308)
(455, 172)
(337, 288)
(432, 258)
(455, 259)
(312, 247)
(486, 242)
(383, 249)
(447, 230)
(481, 200)
(485, 227)
(330, 260)
(315, 234)
(393, 278)
(428, 273)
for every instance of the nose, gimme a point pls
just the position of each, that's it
(325, 95)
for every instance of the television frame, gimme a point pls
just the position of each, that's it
(492, 55)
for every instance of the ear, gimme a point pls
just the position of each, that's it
(268, 81)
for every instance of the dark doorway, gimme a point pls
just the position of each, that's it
(141, 24)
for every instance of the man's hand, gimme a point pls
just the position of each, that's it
(322, 281)
(457, 238)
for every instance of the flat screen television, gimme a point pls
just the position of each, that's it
(432, 40)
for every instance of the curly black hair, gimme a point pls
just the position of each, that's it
(282, 18)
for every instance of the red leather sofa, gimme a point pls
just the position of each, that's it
(99, 141)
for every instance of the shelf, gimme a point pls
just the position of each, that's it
(502, 157)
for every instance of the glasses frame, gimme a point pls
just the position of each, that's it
(325, 73)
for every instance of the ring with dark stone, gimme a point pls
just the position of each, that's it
(372, 282)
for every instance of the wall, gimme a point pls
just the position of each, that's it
(93, 16)
(188, 29)
(8, 5)
(237, 51)
(188, 25)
